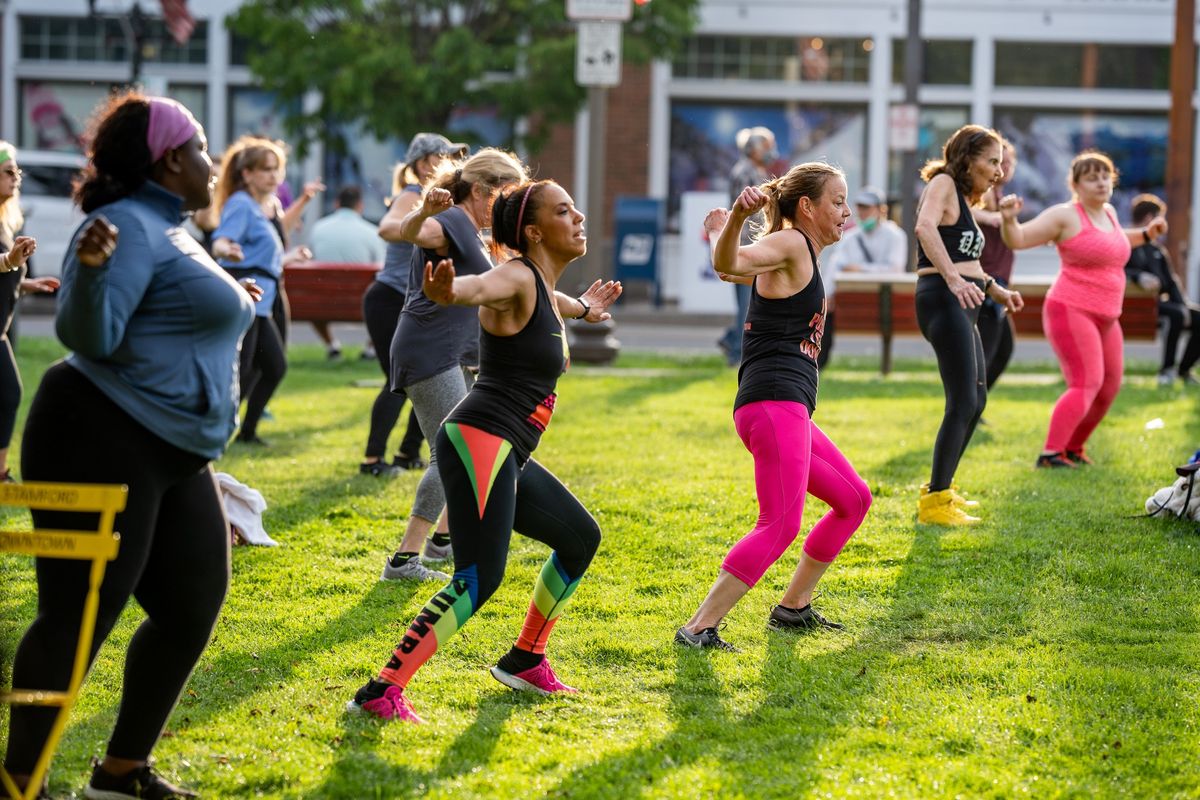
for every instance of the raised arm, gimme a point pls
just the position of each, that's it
(390, 225)
(418, 226)
(295, 212)
(1046, 227)
(1140, 236)
(724, 230)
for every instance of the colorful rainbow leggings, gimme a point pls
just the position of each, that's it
(791, 458)
(488, 496)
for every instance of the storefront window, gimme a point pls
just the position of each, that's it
(804, 59)
(1095, 66)
(103, 39)
(947, 63)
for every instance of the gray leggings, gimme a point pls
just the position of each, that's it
(433, 399)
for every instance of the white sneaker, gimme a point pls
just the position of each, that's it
(1166, 378)
(435, 553)
(411, 570)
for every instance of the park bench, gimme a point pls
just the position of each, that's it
(883, 304)
(325, 291)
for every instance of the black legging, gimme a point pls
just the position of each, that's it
(1179, 316)
(381, 311)
(530, 501)
(996, 333)
(263, 365)
(173, 559)
(10, 392)
(951, 330)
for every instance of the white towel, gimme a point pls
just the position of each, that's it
(244, 507)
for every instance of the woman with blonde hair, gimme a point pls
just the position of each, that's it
(951, 286)
(14, 253)
(384, 300)
(804, 212)
(1081, 313)
(435, 348)
(247, 245)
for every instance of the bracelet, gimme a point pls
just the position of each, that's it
(1146, 236)
(987, 284)
(586, 308)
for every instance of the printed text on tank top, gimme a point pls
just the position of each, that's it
(963, 240)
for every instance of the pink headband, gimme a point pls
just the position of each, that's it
(171, 125)
(521, 215)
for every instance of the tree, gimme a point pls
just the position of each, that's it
(401, 66)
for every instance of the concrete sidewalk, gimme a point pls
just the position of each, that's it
(643, 328)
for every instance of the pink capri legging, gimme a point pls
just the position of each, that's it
(1091, 349)
(792, 457)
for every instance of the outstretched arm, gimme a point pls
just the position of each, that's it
(496, 289)
(592, 305)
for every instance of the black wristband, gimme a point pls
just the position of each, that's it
(987, 284)
(1146, 236)
(586, 308)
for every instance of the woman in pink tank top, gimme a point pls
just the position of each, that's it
(1081, 313)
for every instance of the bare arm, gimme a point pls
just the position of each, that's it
(939, 197)
(985, 217)
(292, 216)
(497, 289)
(1046, 227)
(728, 256)
(390, 225)
(592, 305)
(418, 226)
(1140, 236)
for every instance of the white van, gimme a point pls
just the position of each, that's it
(50, 214)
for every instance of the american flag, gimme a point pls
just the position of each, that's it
(178, 21)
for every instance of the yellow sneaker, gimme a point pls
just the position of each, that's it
(959, 500)
(939, 508)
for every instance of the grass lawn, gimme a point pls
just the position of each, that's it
(1051, 651)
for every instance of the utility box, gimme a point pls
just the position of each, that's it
(638, 225)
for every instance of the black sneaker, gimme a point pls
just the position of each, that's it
(402, 461)
(807, 618)
(253, 439)
(1053, 461)
(705, 638)
(379, 469)
(1079, 458)
(141, 783)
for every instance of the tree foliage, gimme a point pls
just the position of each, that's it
(401, 66)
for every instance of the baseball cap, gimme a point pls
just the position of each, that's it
(427, 144)
(870, 196)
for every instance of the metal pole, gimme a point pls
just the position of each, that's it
(914, 60)
(597, 264)
(1181, 125)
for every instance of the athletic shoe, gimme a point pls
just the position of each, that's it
(940, 508)
(1166, 378)
(709, 637)
(434, 552)
(1078, 458)
(378, 469)
(959, 500)
(141, 783)
(334, 354)
(1053, 461)
(1189, 379)
(252, 439)
(540, 679)
(411, 570)
(409, 462)
(807, 618)
(390, 705)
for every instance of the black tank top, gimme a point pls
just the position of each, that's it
(780, 344)
(513, 397)
(963, 240)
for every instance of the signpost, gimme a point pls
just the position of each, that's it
(597, 66)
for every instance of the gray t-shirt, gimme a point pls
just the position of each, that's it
(431, 339)
(746, 173)
(397, 259)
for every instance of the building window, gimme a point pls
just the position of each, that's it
(947, 63)
(703, 149)
(103, 39)
(1091, 66)
(1047, 140)
(804, 59)
(936, 123)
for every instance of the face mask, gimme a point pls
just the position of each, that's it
(771, 155)
(868, 225)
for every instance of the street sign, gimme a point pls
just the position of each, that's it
(598, 53)
(904, 127)
(608, 10)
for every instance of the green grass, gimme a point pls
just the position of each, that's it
(1050, 652)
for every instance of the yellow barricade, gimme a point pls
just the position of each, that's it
(99, 547)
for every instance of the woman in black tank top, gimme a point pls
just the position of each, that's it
(950, 289)
(492, 484)
(805, 210)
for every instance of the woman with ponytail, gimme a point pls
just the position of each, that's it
(147, 398)
(804, 211)
(485, 446)
(950, 290)
(249, 246)
(435, 349)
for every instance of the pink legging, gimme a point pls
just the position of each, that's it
(1091, 351)
(791, 457)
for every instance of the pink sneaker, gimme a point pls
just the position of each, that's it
(539, 679)
(392, 705)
